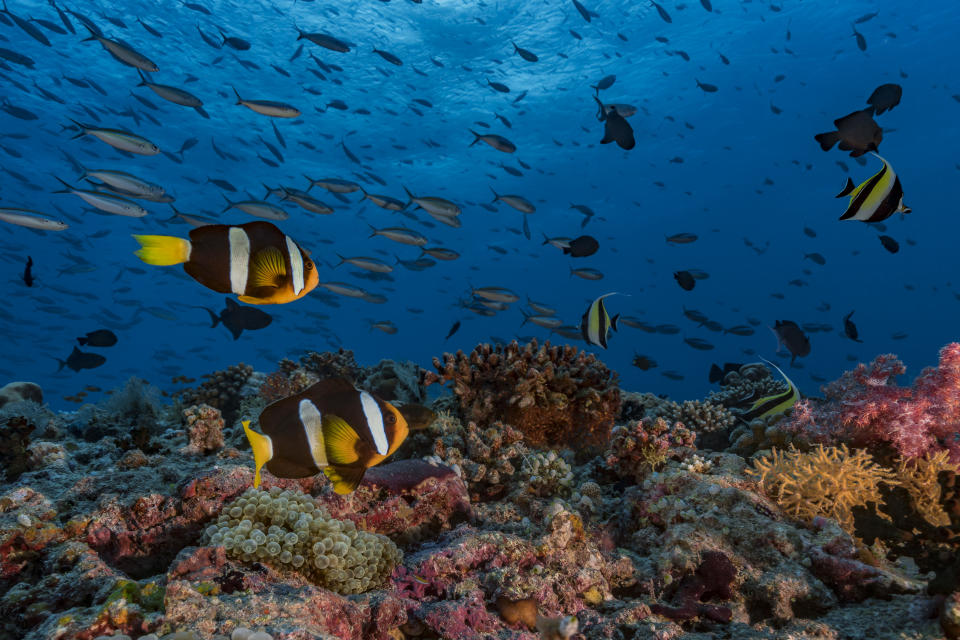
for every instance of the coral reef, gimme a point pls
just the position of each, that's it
(697, 415)
(866, 409)
(221, 390)
(554, 395)
(711, 580)
(14, 446)
(487, 459)
(20, 392)
(645, 445)
(827, 482)
(290, 531)
(204, 429)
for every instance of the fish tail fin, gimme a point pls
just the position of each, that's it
(476, 137)
(613, 321)
(827, 140)
(236, 93)
(67, 188)
(526, 316)
(373, 230)
(82, 341)
(83, 129)
(63, 363)
(310, 180)
(847, 189)
(409, 195)
(262, 450)
(143, 79)
(162, 250)
(496, 196)
(214, 318)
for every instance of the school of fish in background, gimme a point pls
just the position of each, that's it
(401, 178)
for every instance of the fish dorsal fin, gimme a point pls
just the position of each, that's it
(847, 189)
(341, 441)
(329, 386)
(269, 268)
(345, 479)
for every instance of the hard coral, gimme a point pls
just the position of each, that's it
(14, 442)
(644, 445)
(204, 429)
(828, 481)
(486, 459)
(555, 395)
(289, 530)
(221, 390)
(864, 408)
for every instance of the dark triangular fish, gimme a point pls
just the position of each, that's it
(850, 329)
(79, 360)
(238, 319)
(616, 128)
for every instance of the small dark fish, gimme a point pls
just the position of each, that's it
(499, 86)
(866, 17)
(529, 56)
(861, 41)
(890, 244)
(643, 363)
(885, 97)
(28, 278)
(717, 374)
(791, 336)
(740, 330)
(581, 247)
(706, 5)
(706, 86)
(79, 360)
(850, 329)
(809, 232)
(685, 280)
(663, 13)
(682, 238)
(584, 12)
(698, 344)
(672, 375)
(453, 329)
(389, 57)
(605, 83)
(238, 319)
(815, 257)
(856, 132)
(616, 128)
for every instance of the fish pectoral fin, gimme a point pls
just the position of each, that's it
(341, 441)
(251, 300)
(269, 268)
(345, 479)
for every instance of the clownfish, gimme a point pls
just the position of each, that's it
(331, 427)
(255, 261)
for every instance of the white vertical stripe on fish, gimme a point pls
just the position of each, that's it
(371, 411)
(296, 265)
(312, 422)
(239, 260)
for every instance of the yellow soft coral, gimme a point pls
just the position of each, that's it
(919, 477)
(828, 481)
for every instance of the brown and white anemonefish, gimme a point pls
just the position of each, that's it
(331, 427)
(256, 261)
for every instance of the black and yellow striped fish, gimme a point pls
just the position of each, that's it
(773, 404)
(877, 198)
(596, 322)
(255, 261)
(333, 428)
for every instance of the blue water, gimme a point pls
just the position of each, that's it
(730, 142)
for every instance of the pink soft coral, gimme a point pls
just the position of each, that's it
(865, 408)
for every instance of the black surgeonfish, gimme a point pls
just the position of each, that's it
(856, 132)
(238, 319)
(581, 247)
(79, 360)
(255, 261)
(331, 427)
(850, 329)
(875, 199)
(615, 128)
(791, 336)
(685, 279)
(98, 338)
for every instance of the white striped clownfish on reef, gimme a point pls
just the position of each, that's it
(256, 261)
(331, 428)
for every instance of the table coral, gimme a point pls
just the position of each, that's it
(556, 396)
(865, 408)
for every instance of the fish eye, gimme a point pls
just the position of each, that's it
(391, 419)
(308, 266)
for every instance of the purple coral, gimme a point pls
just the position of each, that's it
(711, 581)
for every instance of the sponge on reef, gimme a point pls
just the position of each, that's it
(290, 531)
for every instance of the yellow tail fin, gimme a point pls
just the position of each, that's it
(163, 250)
(262, 450)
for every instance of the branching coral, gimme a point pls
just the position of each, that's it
(221, 390)
(700, 416)
(920, 477)
(547, 474)
(827, 481)
(486, 458)
(644, 445)
(289, 530)
(864, 408)
(554, 395)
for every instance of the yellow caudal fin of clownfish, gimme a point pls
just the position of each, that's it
(163, 250)
(345, 479)
(269, 268)
(262, 450)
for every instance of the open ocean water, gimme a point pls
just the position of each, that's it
(728, 97)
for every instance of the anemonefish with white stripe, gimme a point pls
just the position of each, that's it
(331, 427)
(255, 261)
(596, 322)
(877, 198)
